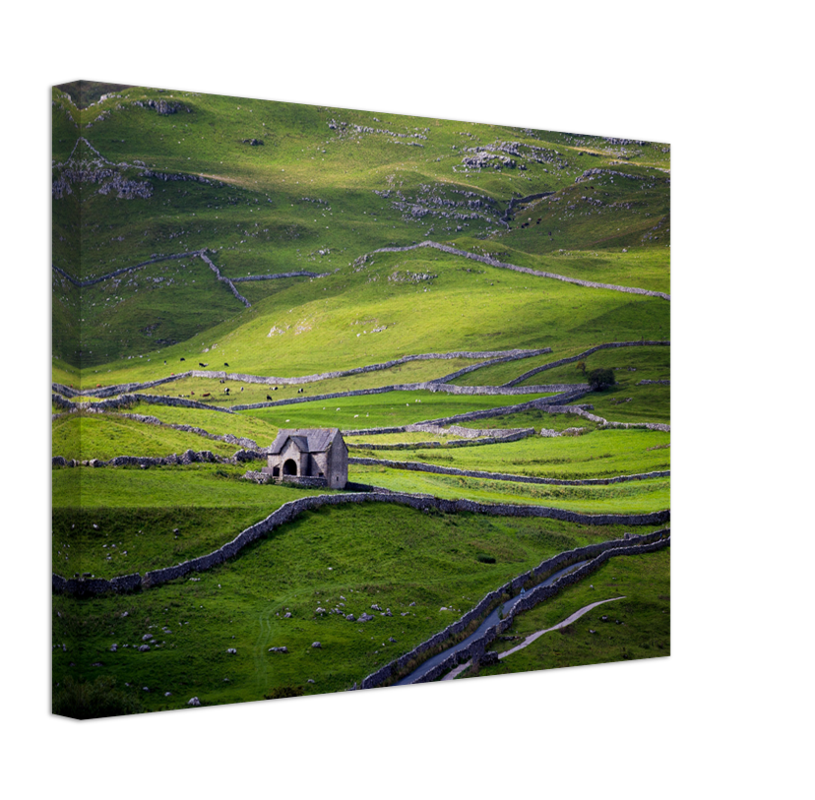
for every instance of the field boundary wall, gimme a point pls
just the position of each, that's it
(598, 555)
(504, 476)
(294, 508)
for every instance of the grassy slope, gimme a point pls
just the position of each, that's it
(273, 208)
(258, 221)
(375, 555)
(643, 580)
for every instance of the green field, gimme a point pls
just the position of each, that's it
(265, 189)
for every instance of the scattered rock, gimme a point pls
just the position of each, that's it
(317, 645)
(193, 701)
(231, 650)
(144, 648)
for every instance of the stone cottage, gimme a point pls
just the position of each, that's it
(313, 453)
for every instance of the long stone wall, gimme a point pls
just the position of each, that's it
(289, 511)
(494, 262)
(511, 436)
(495, 356)
(174, 460)
(580, 356)
(123, 270)
(598, 553)
(300, 274)
(581, 412)
(503, 476)
(127, 400)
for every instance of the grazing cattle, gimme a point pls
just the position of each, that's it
(241, 388)
(225, 364)
(275, 388)
(226, 391)
(267, 396)
(183, 359)
(165, 360)
(206, 395)
(192, 394)
(202, 365)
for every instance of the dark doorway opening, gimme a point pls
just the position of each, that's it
(289, 467)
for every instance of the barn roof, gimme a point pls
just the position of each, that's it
(309, 440)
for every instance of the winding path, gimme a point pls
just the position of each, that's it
(532, 637)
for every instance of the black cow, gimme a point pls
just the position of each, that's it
(183, 359)
(267, 397)
(225, 364)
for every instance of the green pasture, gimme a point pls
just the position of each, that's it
(631, 403)
(85, 436)
(215, 422)
(352, 319)
(594, 454)
(242, 392)
(630, 365)
(348, 558)
(315, 197)
(644, 363)
(637, 626)
(379, 410)
(635, 497)
(319, 191)
(195, 485)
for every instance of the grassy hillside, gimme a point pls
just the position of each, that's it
(242, 237)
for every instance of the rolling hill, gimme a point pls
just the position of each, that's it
(204, 242)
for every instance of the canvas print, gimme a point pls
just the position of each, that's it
(347, 400)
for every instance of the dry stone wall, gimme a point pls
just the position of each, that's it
(503, 476)
(597, 555)
(496, 356)
(289, 511)
(510, 436)
(581, 356)
(582, 412)
(494, 262)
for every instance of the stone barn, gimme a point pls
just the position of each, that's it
(313, 453)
